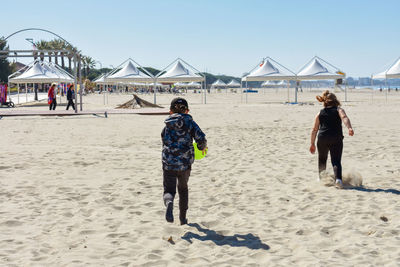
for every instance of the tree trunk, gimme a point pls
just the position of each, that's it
(56, 58)
(49, 57)
(79, 67)
(70, 63)
(62, 61)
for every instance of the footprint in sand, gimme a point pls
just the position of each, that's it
(12, 223)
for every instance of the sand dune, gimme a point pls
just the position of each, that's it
(87, 190)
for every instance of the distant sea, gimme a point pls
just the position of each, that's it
(377, 87)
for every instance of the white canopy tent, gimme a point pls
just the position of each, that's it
(180, 84)
(319, 69)
(218, 84)
(128, 71)
(179, 71)
(269, 70)
(393, 72)
(275, 84)
(194, 85)
(233, 83)
(100, 79)
(39, 72)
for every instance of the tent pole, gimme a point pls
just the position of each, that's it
(295, 94)
(205, 95)
(26, 93)
(386, 88)
(154, 91)
(76, 82)
(247, 92)
(205, 81)
(80, 83)
(59, 92)
(241, 91)
(372, 84)
(18, 91)
(288, 88)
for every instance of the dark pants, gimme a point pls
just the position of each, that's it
(53, 105)
(334, 145)
(170, 179)
(71, 103)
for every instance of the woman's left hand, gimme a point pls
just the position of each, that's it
(312, 149)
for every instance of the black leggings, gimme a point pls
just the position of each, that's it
(71, 103)
(53, 105)
(170, 178)
(334, 145)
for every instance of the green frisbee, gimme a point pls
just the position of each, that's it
(198, 154)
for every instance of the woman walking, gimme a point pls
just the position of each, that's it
(70, 97)
(52, 101)
(328, 125)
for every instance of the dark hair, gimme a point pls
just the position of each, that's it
(179, 105)
(329, 99)
(71, 85)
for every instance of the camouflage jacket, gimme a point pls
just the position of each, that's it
(177, 138)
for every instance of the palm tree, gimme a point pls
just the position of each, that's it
(43, 45)
(70, 55)
(57, 44)
(88, 63)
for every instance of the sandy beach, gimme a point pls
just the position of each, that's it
(87, 190)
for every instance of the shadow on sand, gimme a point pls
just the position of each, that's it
(377, 190)
(250, 241)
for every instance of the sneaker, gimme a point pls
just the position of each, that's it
(169, 215)
(339, 183)
(184, 221)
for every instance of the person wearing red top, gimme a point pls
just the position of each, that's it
(52, 97)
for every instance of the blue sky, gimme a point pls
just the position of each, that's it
(222, 37)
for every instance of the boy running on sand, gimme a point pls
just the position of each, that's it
(178, 156)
